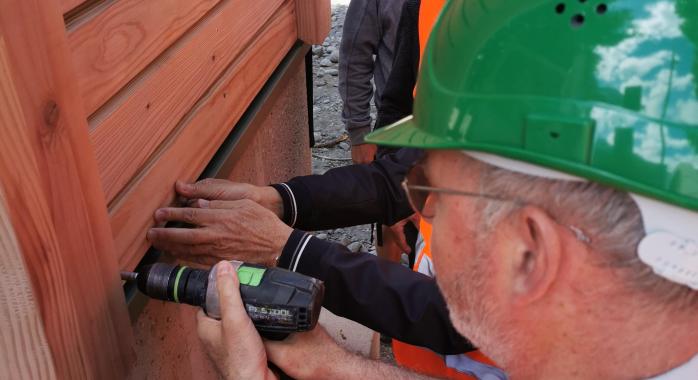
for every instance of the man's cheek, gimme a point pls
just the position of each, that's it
(447, 256)
(439, 249)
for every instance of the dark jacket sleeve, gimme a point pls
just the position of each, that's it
(384, 296)
(350, 195)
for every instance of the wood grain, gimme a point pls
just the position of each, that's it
(55, 203)
(127, 134)
(24, 351)
(113, 43)
(67, 5)
(313, 20)
(199, 135)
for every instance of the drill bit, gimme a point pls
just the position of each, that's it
(129, 276)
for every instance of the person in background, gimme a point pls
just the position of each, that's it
(365, 59)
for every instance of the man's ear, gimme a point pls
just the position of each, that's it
(537, 260)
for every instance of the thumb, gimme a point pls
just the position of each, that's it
(402, 242)
(398, 230)
(232, 310)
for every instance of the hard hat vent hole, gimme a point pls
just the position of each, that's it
(560, 8)
(601, 8)
(577, 20)
(555, 135)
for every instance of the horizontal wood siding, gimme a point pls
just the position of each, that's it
(189, 148)
(115, 41)
(127, 135)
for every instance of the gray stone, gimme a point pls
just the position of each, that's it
(325, 62)
(321, 236)
(334, 56)
(344, 240)
(355, 247)
(333, 72)
(318, 51)
(344, 145)
(317, 136)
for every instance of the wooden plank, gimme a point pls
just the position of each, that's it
(199, 135)
(113, 43)
(127, 134)
(67, 5)
(313, 20)
(55, 203)
(24, 352)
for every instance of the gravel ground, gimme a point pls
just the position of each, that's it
(329, 129)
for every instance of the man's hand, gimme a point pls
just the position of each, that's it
(233, 342)
(309, 355)
(223, 190)
(397, 230)
(226, 230)
(364, 153)
(315, 355)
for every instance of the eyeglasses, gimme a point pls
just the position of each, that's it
(419, 193)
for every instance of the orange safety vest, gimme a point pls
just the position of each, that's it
(429, 11)
(415, 358)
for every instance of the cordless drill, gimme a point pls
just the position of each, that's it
(278, 301)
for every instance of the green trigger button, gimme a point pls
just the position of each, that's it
(250, 276)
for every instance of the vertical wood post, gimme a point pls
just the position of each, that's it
(24, 352)
(54, 201)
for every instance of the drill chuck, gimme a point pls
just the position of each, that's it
(278, 301)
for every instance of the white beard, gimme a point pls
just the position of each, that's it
(477, 316)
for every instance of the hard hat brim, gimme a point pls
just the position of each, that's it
(406, 134)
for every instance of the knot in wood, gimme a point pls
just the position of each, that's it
(51, 114)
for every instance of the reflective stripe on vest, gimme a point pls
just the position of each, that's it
(423, 263)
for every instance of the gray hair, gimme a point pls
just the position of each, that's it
(610, 217)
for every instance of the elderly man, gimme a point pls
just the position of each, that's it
(562, 182)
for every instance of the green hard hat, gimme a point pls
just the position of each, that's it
(606, 90)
